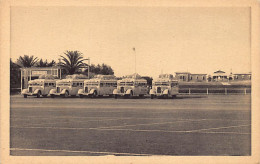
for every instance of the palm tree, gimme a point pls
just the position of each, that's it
(27, 61)
(45, 63)
(72, 61)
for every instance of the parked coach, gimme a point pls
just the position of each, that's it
(68, 87)
(165, 86)
(39, 87)
(130, 86)
(99, 86)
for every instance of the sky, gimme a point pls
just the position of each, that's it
(166, 39)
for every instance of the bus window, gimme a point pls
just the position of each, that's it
(74, 85)
(115, 85)
(46, 84)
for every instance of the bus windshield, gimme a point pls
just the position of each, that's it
(35, 84)
(92, 84)
(64, 84)
(126, 83)
(161, 83)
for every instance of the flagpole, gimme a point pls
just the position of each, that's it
(135, 58)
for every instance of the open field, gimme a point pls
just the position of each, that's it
(188, 125)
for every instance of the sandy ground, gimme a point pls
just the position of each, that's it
(187, 125)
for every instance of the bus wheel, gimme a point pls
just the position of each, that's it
(66, 95)
(165, 96)
(115, 96)
(152, 96)
(131, 94)
(81, 96)
(52, 96)
(24, 96)
(44, 96)
(38, 94)
(173, 96)
(94, 94)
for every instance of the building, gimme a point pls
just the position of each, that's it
(32, 73)
(219, 76)
(199, 77)
(241, 76)
(182, 76)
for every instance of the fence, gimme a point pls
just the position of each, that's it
(224, 91)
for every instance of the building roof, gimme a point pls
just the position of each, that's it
(219, 71)
(242, 73)
(198, 74)
(182, 72)
(39, 68)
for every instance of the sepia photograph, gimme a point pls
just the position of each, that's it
(135, 81)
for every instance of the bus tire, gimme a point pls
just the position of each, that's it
(81, 96)
(152, 96)
(52, 96)
(45, 96)
(24, 96)
(115, 96)
(38, 94)
(173, 96)
(131, 94)
(66, 95)
(94, 94)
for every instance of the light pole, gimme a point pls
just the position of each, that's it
(135, 58)
(88, 66)
(60, 66)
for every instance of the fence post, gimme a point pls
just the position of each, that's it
(189, 91)
(225, 91)
(207, 91)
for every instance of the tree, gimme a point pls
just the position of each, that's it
(103, 69)
(15, 75)
(45, 63)
(72, 61)
(27, 61)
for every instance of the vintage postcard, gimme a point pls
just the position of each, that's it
(130, 81)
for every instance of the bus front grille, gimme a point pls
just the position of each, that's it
(86, 89)
(159, 90)
(58, 89)
(122, 89)
(30, 89)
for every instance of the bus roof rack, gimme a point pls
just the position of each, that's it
(44, 76)
(166, 76)
(105, 77)
(76, 76)
(133, 76)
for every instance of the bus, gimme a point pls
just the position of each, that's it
(68, 87)
(39, 87)
(165, 86)
(98, 86)
(130, 86)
